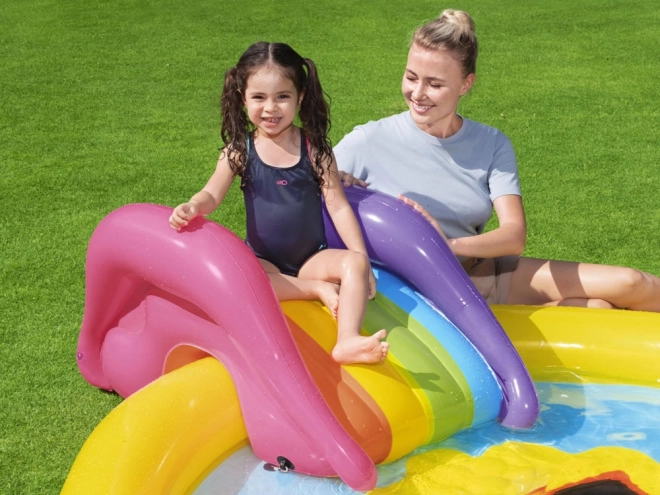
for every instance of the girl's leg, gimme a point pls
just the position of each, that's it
(351, 271)
(289, 288)
(567, 283)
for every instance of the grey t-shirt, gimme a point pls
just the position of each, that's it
(456, 179)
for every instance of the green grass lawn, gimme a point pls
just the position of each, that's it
(104, 103)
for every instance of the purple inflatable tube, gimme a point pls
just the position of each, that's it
(401, 239)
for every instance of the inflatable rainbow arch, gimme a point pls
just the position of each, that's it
(186, 327)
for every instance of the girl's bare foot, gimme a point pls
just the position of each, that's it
(360, 349)
(328, 294)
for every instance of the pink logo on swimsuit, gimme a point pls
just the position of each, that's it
(281, 183)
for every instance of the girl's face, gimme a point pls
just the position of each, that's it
(271, 101)
(433, 83)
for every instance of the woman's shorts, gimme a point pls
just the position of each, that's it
(491, 276)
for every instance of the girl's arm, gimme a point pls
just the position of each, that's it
(206, 200)
(507, 239)
(343, 218)
(340, 210)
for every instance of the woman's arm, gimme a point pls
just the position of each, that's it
(507, 239)
(424, 212)
(206, 200)
(349, 180)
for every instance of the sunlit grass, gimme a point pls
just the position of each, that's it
(104, 103)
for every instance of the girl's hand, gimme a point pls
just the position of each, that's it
(422, 211)
(349, 180)
(372, 285)
(183, 214)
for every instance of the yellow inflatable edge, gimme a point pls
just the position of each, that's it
(572, 345)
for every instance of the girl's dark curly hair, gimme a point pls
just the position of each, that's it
(314, 112)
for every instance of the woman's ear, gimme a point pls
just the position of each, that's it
(467, 83)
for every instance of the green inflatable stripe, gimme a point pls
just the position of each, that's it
(427, 366)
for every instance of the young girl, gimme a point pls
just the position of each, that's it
(284, 170)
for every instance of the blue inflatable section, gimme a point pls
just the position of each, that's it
(485, 388)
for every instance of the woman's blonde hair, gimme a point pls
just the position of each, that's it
(453, 31)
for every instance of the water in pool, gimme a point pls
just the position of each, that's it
(574, 420)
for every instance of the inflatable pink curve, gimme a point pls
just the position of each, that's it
(144, 299)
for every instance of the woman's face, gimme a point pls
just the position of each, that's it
(433, 83)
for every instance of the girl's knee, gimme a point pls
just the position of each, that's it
(355, 262)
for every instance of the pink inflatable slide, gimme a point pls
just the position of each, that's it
(146, 302)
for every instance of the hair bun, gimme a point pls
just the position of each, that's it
(458, 18)
(453, 31)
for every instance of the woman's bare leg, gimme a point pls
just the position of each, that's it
(289, 288)
(351, 271)
(567, 283)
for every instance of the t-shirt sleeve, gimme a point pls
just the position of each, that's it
(503, 175)
(350, 153)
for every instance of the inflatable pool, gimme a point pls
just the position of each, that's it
(185, 427)
(160, 303)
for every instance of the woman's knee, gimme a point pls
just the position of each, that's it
(630, 279)
(600, 304)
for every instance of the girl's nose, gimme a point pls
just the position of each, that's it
(270, 105)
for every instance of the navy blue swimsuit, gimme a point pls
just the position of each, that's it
(284, 211)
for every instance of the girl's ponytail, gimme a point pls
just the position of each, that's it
(315, 119)
(235, 124)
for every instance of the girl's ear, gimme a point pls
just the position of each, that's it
(300, 98)
(468, 82)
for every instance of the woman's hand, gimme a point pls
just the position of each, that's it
(349, 180)
(183, 214)
(422, 211)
